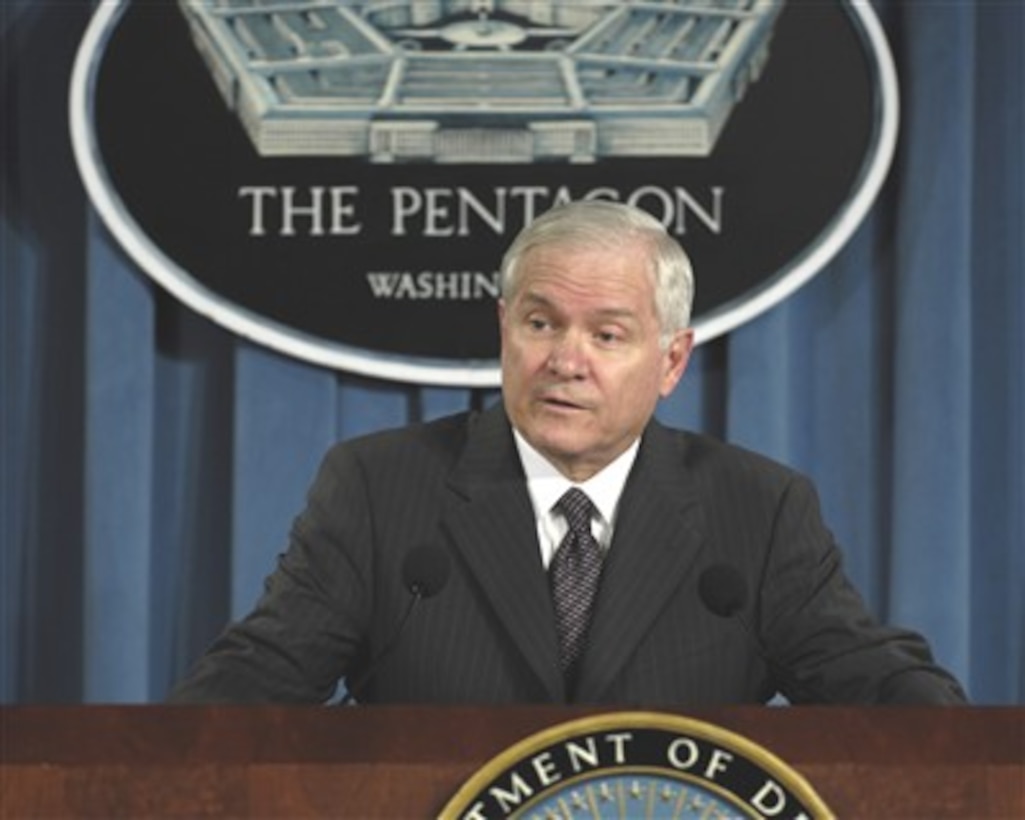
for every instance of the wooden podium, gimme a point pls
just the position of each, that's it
(392, 761)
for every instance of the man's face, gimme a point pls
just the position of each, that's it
(582, 368)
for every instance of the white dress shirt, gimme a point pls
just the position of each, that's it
(546, 485)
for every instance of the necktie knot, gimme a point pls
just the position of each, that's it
(578, 510)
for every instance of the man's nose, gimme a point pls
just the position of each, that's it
(568, 357)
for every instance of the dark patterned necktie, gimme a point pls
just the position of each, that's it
(573, 575)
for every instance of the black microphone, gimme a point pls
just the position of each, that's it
(424, 572)
(723, 590)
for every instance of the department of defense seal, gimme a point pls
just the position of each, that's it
(637, 765)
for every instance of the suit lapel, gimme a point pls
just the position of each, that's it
(491, 522)
(656, 542)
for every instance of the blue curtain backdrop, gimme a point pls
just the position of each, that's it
(152, 462)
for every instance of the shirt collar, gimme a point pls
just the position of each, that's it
(546, 484)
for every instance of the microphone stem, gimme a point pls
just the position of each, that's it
(360, 682)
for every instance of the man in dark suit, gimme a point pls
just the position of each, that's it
(688, 572)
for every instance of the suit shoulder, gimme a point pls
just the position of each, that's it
(438, 440)
(709, 459)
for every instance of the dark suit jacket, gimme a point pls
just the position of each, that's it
(337, 596)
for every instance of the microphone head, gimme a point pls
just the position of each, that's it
(425, 570)
(723, 590)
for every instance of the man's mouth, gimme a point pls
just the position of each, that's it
(561, 403)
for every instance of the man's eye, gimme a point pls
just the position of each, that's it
(608, 336)
(537, 323)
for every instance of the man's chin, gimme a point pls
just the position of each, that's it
(559, 448)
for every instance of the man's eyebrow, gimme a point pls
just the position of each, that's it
(617, 313)
(531, 300)
(534, 299)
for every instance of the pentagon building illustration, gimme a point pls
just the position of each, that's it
(506, 81)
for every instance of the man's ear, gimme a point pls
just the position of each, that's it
(677, 356)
